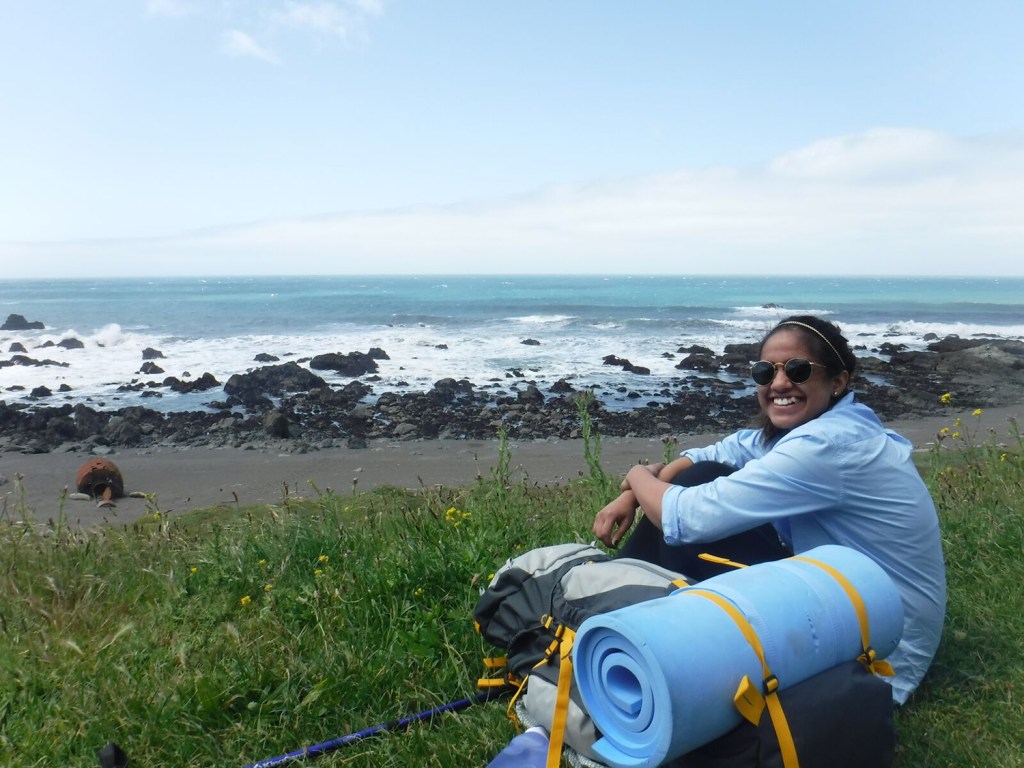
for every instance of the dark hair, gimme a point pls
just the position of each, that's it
(826, 342)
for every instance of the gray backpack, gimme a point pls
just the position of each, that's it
(532, 608)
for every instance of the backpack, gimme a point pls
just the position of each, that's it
(839, 718)
(532, 607)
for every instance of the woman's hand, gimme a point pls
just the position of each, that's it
(654, 469)
(612, 522)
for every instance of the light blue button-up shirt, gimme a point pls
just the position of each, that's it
(841, 478)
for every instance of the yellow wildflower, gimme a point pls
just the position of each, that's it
(418, 592)
(193, 569)
(245, 600)
(456, 516)
(318, 572)
(1002, 457)
(946, 399)
(944, 431)
(323, 558)
(977, 412)
(267, 587)
(262, 563)
(956, 435)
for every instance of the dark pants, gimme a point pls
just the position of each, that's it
(758, 545)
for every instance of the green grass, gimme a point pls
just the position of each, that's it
(229, 637)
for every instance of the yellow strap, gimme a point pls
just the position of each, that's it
(782, 732)
(867, 658)
(741, 621)
(557, 736)
(720, 560)
(680, 583)
(492, 682)
(510, 709)
(746, 702)
(749, 701)
(497, 662)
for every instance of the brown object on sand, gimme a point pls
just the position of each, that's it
(101, 479)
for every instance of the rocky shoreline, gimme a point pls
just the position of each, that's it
(292, 407)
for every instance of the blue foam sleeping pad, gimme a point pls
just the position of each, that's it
(658, 677)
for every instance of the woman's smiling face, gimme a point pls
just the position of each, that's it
(788, 405)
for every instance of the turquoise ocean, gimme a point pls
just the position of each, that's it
(454, 326)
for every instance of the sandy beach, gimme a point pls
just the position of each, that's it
(184, 479)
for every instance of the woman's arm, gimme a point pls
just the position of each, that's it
(644, 483)
(673, 468)
(612, 522)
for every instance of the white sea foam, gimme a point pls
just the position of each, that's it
(219, 332)
(419, 356)
(775, 312)
(541, 319)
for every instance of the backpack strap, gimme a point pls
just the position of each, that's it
(557, 735)
(721, 560)
(748, 699)
(867, 658)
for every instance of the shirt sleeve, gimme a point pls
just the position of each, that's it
(799, 475)
(735, 450)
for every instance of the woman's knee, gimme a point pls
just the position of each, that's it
(702, 472)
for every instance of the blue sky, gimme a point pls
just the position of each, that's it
(377, 136)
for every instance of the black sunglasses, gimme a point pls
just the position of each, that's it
(797, 370)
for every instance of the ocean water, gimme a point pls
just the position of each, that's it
(458, 326)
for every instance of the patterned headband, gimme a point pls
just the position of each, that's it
(819, 333)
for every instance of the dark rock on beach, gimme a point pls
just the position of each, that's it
(561, 387)
(626, 365)
(254, 389)
(353, 364)
(19, 323)
(26, 360)
(699, 361)
(203, 383)
(275, 423)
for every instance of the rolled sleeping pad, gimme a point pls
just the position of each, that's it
(658, 678)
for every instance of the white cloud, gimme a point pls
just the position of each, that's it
(322, 18)
(344, 20)
(829, 208)
(239, 44)
(876, 154)
(329, 19)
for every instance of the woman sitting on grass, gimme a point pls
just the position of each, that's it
(821, 469)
